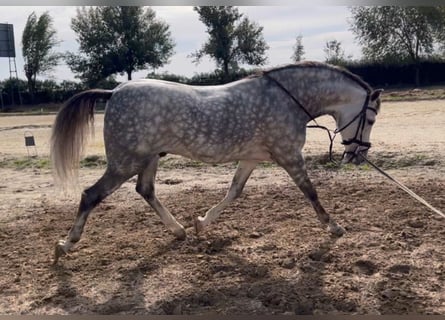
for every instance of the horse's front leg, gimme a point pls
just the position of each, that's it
(242, 173)
(296, 168)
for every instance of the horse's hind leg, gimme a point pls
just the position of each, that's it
(145, 187)
(91, 197)
(296, 169)
(242, 173)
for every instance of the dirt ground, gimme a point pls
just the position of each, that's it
(266, 254)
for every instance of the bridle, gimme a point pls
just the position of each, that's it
(358, 138)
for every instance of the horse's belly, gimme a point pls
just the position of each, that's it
(216, 155)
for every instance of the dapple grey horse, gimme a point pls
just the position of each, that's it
(259, 118)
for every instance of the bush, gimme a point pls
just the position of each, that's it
(399, 75)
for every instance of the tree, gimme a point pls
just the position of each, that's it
(335, 53)
(398, 33)
(232, 38)
(38, 41)
(10, 91)
(298, 49)
(118, 40)
(438, 27)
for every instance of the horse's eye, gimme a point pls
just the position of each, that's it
(371, 122)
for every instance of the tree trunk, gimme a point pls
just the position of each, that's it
(226, 71)
(129, 72)
(417, 73)
(31, 87)
(417, 63)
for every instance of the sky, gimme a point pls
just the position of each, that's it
(282, 24)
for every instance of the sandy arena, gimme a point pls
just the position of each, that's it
(266, 254)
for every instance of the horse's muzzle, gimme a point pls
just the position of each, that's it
(354, 156)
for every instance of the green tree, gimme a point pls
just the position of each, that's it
(399, 33)
(298, 48)
(10, 91)
(334, 53)
(118, 40)
(38, 41)
(233, 39)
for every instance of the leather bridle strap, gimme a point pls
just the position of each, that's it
(358, 137)
(362, 114)
(298, 103)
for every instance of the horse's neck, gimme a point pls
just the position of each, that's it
(326, 95)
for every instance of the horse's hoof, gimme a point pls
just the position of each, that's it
(180, 234)
(336, 230)
(59, 251)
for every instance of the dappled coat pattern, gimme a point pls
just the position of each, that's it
(259, 118)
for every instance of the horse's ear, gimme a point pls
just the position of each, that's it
(376, 94)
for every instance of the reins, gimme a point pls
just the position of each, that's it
(357, 139)
(403, 187)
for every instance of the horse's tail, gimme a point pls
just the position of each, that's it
(71, 128)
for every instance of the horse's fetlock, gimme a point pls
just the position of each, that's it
(75, 239)
(336, 229)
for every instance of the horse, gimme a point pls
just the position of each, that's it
(262, 117)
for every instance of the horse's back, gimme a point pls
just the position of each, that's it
(212, 124)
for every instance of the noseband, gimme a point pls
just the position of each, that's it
(358, 138)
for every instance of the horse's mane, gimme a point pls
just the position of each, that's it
(320, 65)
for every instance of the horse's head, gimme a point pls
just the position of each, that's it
(356, 129)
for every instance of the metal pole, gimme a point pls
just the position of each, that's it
(1, 98)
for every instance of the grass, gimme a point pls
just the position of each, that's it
(93, 161)
(385, 160)
(180, 163)
(44, 163)
(25, 163)
(396, 161)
